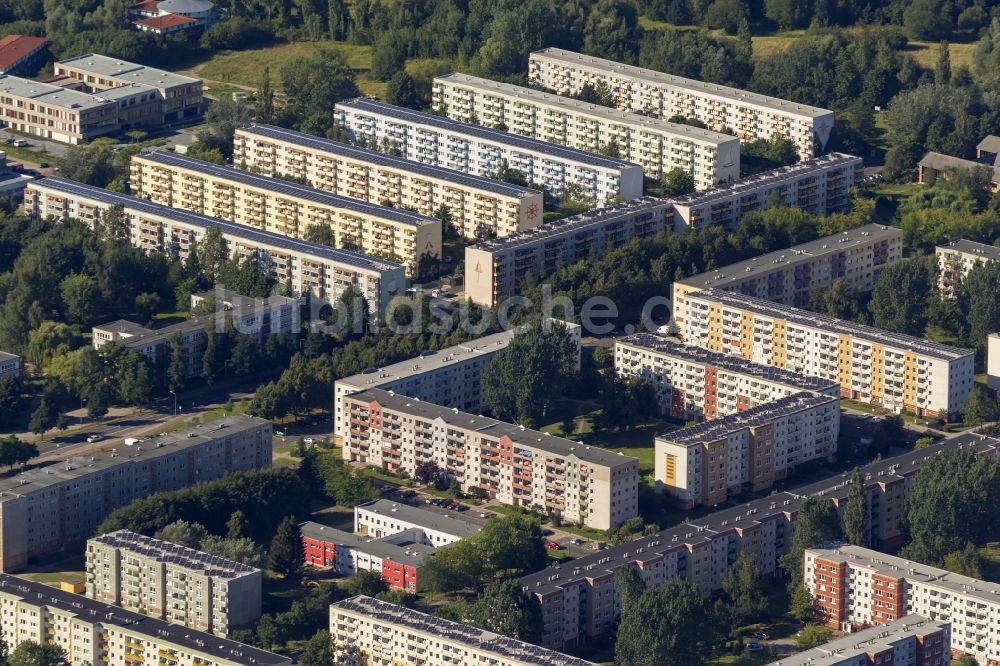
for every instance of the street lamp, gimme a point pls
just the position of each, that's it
(173, 393)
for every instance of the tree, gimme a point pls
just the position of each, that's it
(183, 533)
(667, 626)
(51, 339)
(265, 103)
(91, 163)
(856, 516)
(817, 522)
(505, 609)
(318, 650)
(977, 299)
(526, 381)
(211, 253)
(43, 418)
(212, 361)
(238, 525)
(726, 14)
(677, 182)
(81, 298)
(926, 19)
(600, 94)
(979, 407)
(427, 471)
(746, 588)
(240, 549)
(801, 604)
(29, 653)
(630, 587)
(899, 299)
(813, 635)
(10, 399)
(511, 546)
(243, 354)
(942, 70)
(965, 562)
(146, 304)
(285, 555)
(13, 451)
(320, 233)
(923, 443)
(368, 583)
(313, 85)
(388, 56)
(134, 377)
(177, 369)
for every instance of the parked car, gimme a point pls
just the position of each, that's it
(576, 542)
(552, 545)
(547, 532)
(279, 433)
(462, 507)
(309, 440)
(754, 646)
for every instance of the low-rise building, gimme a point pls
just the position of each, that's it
(854, 586)
(439, 141)
(820, 185)
(22, 54)
(658, 146)
(478, 206)
(496, 270)
(580, 604)
(381, 518)
(583, 484)
(310, 269)
(792, 276)
(891, 370)
(695, 383)
(285, 208)
(10, 365)
(368, 631)
(909, 641)
(749, 115)
(173, 583)
(164, 17)
(706, 463)
(989, 148)
(956, 259)
(53, 112)
(935, 165)
(48, 509)
(92, 632)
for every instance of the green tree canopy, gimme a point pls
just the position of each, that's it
(667, 626)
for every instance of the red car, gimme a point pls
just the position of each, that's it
(553, 545)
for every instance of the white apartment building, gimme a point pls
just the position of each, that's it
(311, 269)
(380, 518)
(478, 206)
(173, 583)
(820, 185)
(48, 509)
(92, 632)
(956, 259)
(854, 586)
(791, 276)
(285, 208)
(10, 365)
(890, 370)
(706, 463)
(369, 632)
(749, 115)
(495, 270)
(658, 146)
(438, 141)
(586, 485)
(695, 383)
(910, 641)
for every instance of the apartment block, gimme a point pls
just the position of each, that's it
(705, 464)
(890, 370)
(820, 185)
(10, 365)
(579, 601)
(658, 146)
(514, 465)
(369, 632)
(439, 141)
(791, 276)
(909, 641)
(695, 383)
(749, 115)
(92, 632)
(496, 270)
(478, 206)
(52, 112)
(854, 586)
(380, 518)
(173, 583)
(179, 97)
(285, 208)
(956, 259)
(254, 317)
(310, 269)
(48, 509)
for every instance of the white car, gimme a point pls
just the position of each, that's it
(93, 438)
(308, 440)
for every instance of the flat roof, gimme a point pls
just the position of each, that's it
(573, 224)
(159, 631)
(829, 324)
(513, 141)
(747, 515)
(15, 47)
(46, 93)
(453, 523)
(710, 431)
(346, 257)
(728, 362)
(660, 78)
(574, 105)
(40, 478)
(898, 567)
(174, 555)
(767, 179)
(390, 161)
(412, 553)
(797, 254)
(102, 65)
(126, 91)
(284, 187)
(558, 446)
(479, 639)
(987, 252)
(864, 641)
